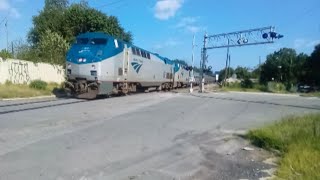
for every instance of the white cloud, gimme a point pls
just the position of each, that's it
(14, 13)
(6, 7)
(189, 24)
(187, 21)
(168, 43)
(193, 29)
(298, 43)
(305, 43)
(313, 43)
(165, 9)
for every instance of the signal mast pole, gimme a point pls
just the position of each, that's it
(204, 59)
(192, 76)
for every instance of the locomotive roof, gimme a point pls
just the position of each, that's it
(105, 35)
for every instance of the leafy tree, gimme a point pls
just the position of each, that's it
(256, 72)
(80, 18)
(246, 83)
(53, 47)
(300, 69)
(5, 54)
(50, 18)
(279, 66)
(69, 21)
(223, 72)
(60, 23)
(242, 72)
(314, 65)
(56, 4)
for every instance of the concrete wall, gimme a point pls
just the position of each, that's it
(19, 71)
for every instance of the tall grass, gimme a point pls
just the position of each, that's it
(9, 90)
(238, 87)
(298, 141)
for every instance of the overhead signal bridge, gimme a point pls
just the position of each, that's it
(265, 35)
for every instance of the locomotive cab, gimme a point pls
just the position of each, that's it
(83, 66)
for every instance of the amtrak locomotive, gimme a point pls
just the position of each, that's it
(99, 64)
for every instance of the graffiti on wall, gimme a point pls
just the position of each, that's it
(19, 72)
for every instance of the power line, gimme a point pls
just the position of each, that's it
(5, 18)
(109, 4)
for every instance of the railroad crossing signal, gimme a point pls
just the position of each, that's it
(265, 35)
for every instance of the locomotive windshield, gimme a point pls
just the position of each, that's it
(82, 41)
(98, 41)
(94, 41)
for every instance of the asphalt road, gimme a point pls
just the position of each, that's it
(144, 136)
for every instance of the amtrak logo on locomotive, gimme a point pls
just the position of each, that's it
(137, 65)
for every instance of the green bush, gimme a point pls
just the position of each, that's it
(8, 83)
(233, 85)
(260, 87)
(5, 54)
(38, 84)
(276, 87)
(247, 83)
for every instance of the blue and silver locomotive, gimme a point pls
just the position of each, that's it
(99, 64)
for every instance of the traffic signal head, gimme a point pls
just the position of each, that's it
(280, 36)
(265, 35)
(273, 35)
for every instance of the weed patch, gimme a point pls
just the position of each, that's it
(297, 140)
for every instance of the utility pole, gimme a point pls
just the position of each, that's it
(229, 57)
(12, 49)
(259, 67)
(6, 25)
(259, 61)
(204, 59)
(191, 75)
(227, 67)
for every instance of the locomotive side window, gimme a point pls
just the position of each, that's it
(134, 51)
(98, 41)
(138, 52)
(148, 55)
(143, 54)
(82, 41)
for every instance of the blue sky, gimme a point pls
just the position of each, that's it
(167, 26)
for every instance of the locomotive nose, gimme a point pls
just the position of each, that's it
(86, 56)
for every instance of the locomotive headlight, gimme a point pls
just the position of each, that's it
(80, 60)
(93, 66)
(84, 60)
(93, 73)
(69, 66)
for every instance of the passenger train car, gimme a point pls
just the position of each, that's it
(99, 64)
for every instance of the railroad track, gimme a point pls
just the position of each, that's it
(32, 105)
(27, 105)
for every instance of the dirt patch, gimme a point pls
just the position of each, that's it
(216, 157)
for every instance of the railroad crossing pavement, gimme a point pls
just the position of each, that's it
(144, 136)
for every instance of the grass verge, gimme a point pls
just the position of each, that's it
(312, 94)
(241, 89)
(298, 141)
(237, 87)
(23, 91)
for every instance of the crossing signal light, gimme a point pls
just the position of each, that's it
(273, 35)
(265, 35)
